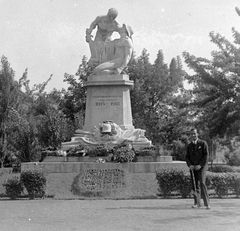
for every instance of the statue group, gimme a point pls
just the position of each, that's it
(109, 56)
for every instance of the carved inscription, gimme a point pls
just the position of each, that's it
(115, 104)
(100, 104)
(107, 101)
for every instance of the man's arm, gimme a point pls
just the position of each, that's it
(188, 157)
(93, 25)
(188, 161)
(116, 26)
(203, 162)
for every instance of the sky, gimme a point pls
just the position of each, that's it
(48, 36)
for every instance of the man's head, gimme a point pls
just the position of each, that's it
(112, 14)
(193, 134)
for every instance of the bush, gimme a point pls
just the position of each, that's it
(14, 187)
(184, 184)
(147, 151)
(234, 184)
(232, 159)
(123, 155)
(179, 150)
(173, 180)
(99, 150)
(166, 187)
(221, 168)
(77, 151)
(164, 151)
(220, 183)
(35, 183)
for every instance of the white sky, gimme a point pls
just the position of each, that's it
(48, 36)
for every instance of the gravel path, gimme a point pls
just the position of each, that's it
(104, 215)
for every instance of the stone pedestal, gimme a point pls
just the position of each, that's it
(108, 98)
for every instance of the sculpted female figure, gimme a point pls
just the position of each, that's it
(122, 53)
(100, 47)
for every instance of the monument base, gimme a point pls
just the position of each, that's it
(108, 103)
(85, 137)
(77, 167)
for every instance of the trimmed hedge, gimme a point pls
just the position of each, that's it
(35, 183)
(14, 188)
(173, 180)
(221, 168)
(235, 184)
(176, 181)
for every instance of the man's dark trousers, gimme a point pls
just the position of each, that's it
(200, 179)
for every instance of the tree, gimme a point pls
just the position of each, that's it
(216, 90)
(73, 103)
(47, 124)
(9, 92)
(154, 95)
(176, 74)
(53, 128)
(139, 70)
(23, 138)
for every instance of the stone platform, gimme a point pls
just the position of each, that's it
(77, 167)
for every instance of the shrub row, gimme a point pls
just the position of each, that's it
(176, 181)
(32, 180)
(221, 168)
(225, 183)
(122, 153)
(224, 168)
(172, 180)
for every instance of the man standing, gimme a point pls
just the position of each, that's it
(197, 159)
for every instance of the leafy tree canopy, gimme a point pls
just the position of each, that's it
(216, 92)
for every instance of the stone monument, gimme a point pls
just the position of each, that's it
(108, 117)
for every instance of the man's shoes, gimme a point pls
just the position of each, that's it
(208, 207)
(196, 206)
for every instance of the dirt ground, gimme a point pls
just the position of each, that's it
(118, 215)
(67, 212)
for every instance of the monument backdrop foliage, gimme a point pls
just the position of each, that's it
(160, 104)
